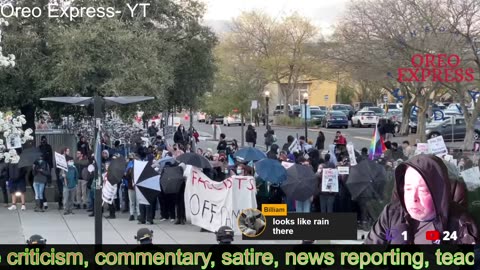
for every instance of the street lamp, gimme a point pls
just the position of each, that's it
(305, 101)
(267, 97)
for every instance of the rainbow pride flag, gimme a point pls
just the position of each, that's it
(377, 146)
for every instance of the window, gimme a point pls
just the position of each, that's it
(460, 121)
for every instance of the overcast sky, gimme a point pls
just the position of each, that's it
(323, 13)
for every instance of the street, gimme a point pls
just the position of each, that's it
(360, 137)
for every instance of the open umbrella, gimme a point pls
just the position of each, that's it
(29, 156)
(271, 171)
(301, 182)
(195, 160)
(116, 170)
(367, 179)
(171, 179)
(147, 182)
(249, 154)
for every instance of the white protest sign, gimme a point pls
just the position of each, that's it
(109, 192)
(471, 177)
(254, 104)
(454, 162)
(351, 154)
(210, 204)
(293, 146)
(422, 148)
(343, 170)
(60, 161)
(330, 180)
(437, 146)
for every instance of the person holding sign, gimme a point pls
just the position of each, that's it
(423, 211)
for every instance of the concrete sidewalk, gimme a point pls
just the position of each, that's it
(18, 225)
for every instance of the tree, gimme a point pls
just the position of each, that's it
(376, 38)
(124, 55)
(345, 94)
(280, 47)
(238, 80)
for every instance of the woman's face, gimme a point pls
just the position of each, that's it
(67, 151)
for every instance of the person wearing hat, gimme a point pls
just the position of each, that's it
(36, 240)
(144, 236)
(224, 235)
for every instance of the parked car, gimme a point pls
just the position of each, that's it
(444, 128)
(317, 115)
(391, 107)
(341, 108)
(218, 119)
(201, 116)
(279, 109)
(378, 111)
(335, 119)
(357, 106)
(232, 120)
(296, 111)
(364, 118)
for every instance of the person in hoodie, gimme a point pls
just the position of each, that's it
(251, 136)
(422, 203)
(70, 187)
(41, 171)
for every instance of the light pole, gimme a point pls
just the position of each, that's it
(267, 98)
(305, 101)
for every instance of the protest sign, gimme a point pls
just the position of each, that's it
(293, 146)
(471, 177)
(60, 161)
(343, 170)
(14, 141)
(351, 154)
(330, 180)
(437, 146)
(109, 191)
(210, 204)
(168, 133)
(422, 148)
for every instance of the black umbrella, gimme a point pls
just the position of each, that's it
(29, 156)
(171, 179)
(195, 159)
(301, 182)
(116, 170)
(147, 182)
(367, 179)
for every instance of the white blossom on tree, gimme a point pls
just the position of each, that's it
(11, 126)
(9, 60)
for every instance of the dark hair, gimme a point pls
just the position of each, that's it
(364, 150)
(394, 144)
(222, 136)
(339, 132)
(388, 144)
(290, 138)
(406, 142)
(327, 157)
(302, 138)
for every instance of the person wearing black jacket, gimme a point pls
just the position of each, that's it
(273, 152)
(289, 142)
(251, 136)
(320, 144)
(222, 144)
(83, 146)
(181, 136)
(152, 130)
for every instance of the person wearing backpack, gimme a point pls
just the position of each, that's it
(269, 137)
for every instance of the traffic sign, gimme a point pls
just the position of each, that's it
(385, 98)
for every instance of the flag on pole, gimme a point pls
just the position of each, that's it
(377, 146)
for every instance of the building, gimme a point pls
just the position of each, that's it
(320, 93)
